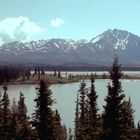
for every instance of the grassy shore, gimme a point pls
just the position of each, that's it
(63, 80)
(36, 79)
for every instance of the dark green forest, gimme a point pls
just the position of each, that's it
(116, 122)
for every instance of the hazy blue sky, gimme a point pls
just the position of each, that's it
(77, 19)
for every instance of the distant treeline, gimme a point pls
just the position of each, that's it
(11, 74)
(72, 67)
(8, 74)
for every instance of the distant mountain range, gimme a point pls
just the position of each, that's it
(97, 51)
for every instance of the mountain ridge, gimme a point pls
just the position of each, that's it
(97, 51)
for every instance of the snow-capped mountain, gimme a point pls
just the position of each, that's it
(99, 50)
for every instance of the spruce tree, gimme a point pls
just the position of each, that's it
(76, 136)
(42, 72)
(35, 71)
(23, 126)
(22, 107)
(1, 120)
(138, 131)
(129, 132)
(70, 134)
(82, 101)
(28, 73)
(5, 126)
(42, 119)
(13, 122)
(82, 120)
(59, 74)
(58, 129)
(38, 71)
(64, 132)
(55, 74)
(112, 116)
(93, 120)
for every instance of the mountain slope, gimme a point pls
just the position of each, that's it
(97, 51)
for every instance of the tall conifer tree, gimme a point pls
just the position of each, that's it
(112, 117)
(76, 136)
(43, 114)
(129, 131)
(138, 131)
(94, 123)
(1, 120)
(23, 127)
(82, 121)
(5, 131)
(58, 129)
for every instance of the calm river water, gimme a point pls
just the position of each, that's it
(65, 96)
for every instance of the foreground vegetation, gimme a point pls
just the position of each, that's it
(16, 125)
(116, 122)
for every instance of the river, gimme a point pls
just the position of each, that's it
(65, 97)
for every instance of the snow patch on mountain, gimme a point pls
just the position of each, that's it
(56, 45)
(122, 43)
(96, 39)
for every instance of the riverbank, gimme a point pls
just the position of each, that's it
(63, 80)
(36, 79)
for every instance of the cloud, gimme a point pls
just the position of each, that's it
(18, 29)
(57, 22)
